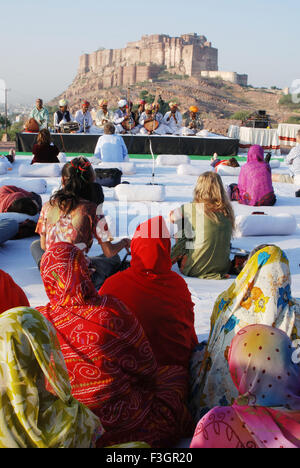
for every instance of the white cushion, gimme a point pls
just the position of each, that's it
(31, 185)
(3, 167)
(4, 160)
(19, 217)
(128, 168)
(128, 192)
(274, 163)
(189, 169)
(172, 159)
(297, 179)
(265, 225)
(224, 170)
(40, 170)
(62, 157)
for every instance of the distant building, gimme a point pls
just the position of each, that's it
(188, 55)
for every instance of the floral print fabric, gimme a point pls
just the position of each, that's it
(78, 228)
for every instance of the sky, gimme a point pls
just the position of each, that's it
(41, 41)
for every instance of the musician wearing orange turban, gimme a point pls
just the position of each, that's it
(193, 123)
(103, 116)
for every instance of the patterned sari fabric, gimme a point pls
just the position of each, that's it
(111, 365)
(30, 416)
(261, 294)
(265, 370)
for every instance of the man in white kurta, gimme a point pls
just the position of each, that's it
(103, 116)
(151, 112)
(173, 119)
(63, 115)
(84, 118)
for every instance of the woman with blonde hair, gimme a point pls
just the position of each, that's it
(205, 228)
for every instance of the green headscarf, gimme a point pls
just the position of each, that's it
(31, 416)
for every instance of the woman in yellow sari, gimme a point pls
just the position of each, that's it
(33, 413)
(261, 294)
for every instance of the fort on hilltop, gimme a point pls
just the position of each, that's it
(188, 55)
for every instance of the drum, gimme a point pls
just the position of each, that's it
(128, 124)
(151, 125)
(32, 126)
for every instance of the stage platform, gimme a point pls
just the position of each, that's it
(139, 144)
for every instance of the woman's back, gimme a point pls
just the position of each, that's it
(78, 227)
(255, 180)
(207, 243)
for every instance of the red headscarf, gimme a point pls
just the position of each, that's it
(10, 194)
(158, 296)
(11, 295)
(110, 363)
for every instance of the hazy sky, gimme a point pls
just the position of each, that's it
(41, 41)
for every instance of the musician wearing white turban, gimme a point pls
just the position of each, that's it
(63, 115)
(103, 115)
(120, 116)
(173, 119)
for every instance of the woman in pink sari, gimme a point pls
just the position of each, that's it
(255, 181)
(264, 368)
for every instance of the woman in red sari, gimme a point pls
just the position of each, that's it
(158, 296)
(110, 362)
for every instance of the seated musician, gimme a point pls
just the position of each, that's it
(151, 121)
(63, 115)
(146, 117)
(40, 114)
(111, 147)
(121, 116)
(84, 118)
(138, 112)
(173, 119)
(192, 124)
(131, 126)
(103, 115)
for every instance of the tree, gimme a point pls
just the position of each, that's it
(2, 121)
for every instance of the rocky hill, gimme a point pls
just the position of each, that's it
(218, 100)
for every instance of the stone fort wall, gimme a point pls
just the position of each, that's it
(189, 54)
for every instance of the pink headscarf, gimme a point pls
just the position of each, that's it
(266, 414)
(255, 180)
(264, 369)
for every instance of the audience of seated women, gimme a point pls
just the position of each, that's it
(111, 365)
